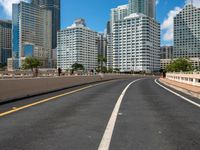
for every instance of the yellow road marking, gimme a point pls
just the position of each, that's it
(46, 100)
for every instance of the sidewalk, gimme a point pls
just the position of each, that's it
(185, 88)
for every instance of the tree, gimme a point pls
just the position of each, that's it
(180, 64)
(101, 63)
(116, 70)
(31, 63)
(103, 69)
(110, 70)
(77, 66)
(3, 66)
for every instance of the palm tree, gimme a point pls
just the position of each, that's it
(101, 62)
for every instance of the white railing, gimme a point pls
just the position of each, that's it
(192, 78)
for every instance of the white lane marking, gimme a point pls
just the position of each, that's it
(105, 142)
(184, 98)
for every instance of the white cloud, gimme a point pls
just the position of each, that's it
(7, 6)
(167, 25)
(195, 2)
(168, 22)
(157, 2)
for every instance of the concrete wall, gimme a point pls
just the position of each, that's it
(18, 88)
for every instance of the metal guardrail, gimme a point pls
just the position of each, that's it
(192, 78)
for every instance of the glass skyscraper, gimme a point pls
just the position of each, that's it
(31, 33)
(54, 6)
(146, 7)
(5, 40)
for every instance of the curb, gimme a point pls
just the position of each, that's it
(186, 91)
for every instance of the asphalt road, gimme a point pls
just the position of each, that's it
(149, 118)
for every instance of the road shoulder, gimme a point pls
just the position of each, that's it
(187, 89)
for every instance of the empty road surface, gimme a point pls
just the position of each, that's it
(126, 114)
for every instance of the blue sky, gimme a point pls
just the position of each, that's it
(97, 13)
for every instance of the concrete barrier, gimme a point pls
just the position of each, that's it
(20, 88)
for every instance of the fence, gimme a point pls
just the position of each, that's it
(192, 78)
(25, 74)
(41, 73)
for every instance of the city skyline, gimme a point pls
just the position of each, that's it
(97, 11)
(107, 75)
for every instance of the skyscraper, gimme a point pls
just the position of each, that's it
(166, 56)
(5, 41)
(31, 33)
(54, 7)
(135, 37)
(187, 32)
(102, 45)
(77, 44)
(146, 7)
(119, 13)
(116, 14)
(136, 44)
(166, 52)
(109, 46)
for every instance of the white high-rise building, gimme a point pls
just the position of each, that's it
(135, 37)
(77, 44)
(119, 13)
(136, 44)
(116, 14)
